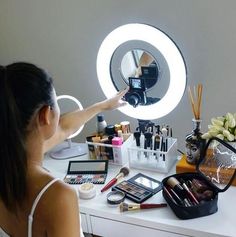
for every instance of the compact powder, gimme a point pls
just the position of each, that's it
(115, 197)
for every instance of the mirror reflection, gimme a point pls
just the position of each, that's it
(140, 70)
(139, 63)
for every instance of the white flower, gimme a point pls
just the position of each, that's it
(213, 132)
(228, 135)
(206, 136)
(218, 122)
(223, 127)
(226, 126)
(220, 136)
(231, 121)
(222, 118)
(216, 127)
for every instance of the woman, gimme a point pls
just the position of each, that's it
(32, 201)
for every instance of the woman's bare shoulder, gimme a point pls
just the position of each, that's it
(59, 192)
(60, 210)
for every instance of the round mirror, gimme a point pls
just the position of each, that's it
(139, 63)
(119, 63)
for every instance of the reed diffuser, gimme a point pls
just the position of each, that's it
(194, 142)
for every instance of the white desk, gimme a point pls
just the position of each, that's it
(101, 219)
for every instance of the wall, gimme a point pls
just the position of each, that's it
(64, 37)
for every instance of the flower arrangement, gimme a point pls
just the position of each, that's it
(223, 127)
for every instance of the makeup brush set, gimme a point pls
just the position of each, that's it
(195, 194)
(153, 147)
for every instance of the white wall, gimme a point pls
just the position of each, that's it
(63, 36)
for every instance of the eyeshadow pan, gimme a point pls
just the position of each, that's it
(132, 191)
(139, 191)
(85, 178)
(84, 171)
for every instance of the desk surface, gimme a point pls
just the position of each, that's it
(221, 223)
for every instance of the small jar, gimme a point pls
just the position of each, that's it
(110, 130)
(194, 143)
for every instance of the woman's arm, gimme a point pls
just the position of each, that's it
(145, 60)
(71, 122)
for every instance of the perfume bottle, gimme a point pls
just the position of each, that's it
(194, 143)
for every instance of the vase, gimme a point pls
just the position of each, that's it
(194, 143)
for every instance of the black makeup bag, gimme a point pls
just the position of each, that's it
(195, 194)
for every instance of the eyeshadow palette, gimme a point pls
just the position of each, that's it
(139, 188)
(86, 171)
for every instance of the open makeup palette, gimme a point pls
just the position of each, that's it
(87, 171)
(139, 188)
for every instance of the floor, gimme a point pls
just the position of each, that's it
(90, 235)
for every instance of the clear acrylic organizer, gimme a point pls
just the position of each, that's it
(154, 160)
(117, 155)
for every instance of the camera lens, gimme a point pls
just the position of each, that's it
(133, 99)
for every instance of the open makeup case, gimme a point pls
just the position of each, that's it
(195, 194)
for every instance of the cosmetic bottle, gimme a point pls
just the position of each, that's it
(117, 142)
(125, 127)
(101, 125)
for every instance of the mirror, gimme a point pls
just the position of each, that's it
(165, 90)
(144, 62)
(68, 149)
(139, 63)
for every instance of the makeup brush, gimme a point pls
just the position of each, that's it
(123, 172)
(131, 207)
(182, 190)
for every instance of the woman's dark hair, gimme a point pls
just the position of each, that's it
(23, 88)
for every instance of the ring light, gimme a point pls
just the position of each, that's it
(169, 50)
(69, 149)
(80, 107)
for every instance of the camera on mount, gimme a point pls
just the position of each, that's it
(137, 91)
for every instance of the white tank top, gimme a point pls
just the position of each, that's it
(30, 218)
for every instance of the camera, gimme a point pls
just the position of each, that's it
(137, 92)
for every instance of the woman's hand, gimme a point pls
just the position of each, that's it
(114, 102)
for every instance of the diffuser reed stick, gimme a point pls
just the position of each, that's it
(196, 101)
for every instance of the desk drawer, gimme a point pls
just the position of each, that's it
(107, 228)
(84, 223)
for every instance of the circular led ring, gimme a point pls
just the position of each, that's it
(80, 107)
(161, 42)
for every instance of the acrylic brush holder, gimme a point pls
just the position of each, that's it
(159, 160)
